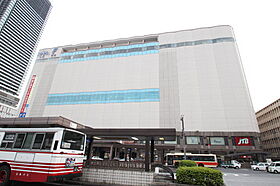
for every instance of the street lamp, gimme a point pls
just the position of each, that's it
(183, 136)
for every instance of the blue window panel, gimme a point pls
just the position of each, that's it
(102, 97)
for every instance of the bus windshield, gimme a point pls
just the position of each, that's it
(72, 140)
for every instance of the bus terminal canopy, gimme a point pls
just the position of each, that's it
(149, 135)
(156, 134)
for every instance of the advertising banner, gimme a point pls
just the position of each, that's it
(243, 141)
(217, 140)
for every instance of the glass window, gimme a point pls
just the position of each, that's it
(8, 140)
(38, 141)
(72, 141)
(9, 137)
(28, 141)
(193, 140)
(48, 141)
(217, 140)
(170, 142)
(19, 140)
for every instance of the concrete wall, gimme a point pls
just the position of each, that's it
(121, 177)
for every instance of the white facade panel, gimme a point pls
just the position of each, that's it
(197, 73)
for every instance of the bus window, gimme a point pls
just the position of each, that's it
(19, 140)
(38, 141)
(28, 141)
(48, 141)
(8, 140)
(72, 141)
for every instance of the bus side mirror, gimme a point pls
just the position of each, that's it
(55, 145)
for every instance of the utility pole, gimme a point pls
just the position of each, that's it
(183, 136)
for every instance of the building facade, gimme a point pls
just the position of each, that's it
(149, 82)
(269, 123)
(21, 24)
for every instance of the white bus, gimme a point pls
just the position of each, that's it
(40, 154)
(203, 160)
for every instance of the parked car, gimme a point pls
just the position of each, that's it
(259, 166)
(231, 164)
(274, 167)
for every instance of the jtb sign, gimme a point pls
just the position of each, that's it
(243, 141)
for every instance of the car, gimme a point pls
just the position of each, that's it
(259, 166)
(274, 167)
(231, 164)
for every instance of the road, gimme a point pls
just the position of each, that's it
(248, 177)
(232, 177)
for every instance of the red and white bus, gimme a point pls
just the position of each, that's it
(40, 154)
(203, 160)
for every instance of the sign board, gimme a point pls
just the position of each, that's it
(217, 140)
(49, 53)
(243, 141)
(73, 125)
(22, 113)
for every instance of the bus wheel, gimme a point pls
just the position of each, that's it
(200, 165)
(4, 175)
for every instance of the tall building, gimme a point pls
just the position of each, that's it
(21, 24)
(269, 124)
(149, 82)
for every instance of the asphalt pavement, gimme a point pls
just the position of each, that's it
(248, 177)
(232, 177)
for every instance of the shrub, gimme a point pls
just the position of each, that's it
(199, 176)
(187, 163)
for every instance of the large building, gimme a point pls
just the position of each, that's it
(269, 124)
(21, 24)
(149, 82)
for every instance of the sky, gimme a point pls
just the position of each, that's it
(255, 23)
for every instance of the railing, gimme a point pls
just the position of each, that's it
(107, 164)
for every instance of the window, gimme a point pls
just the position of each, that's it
(48, 141)
(19, 140)
(202, 158)
(193, 140)
(28, 141)
(8, 140)
(72, 141)
(38, 141)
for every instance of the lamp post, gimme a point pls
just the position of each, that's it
(183, 136)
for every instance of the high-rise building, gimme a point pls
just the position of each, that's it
(149, 82)
(21, 24)
(269, 123)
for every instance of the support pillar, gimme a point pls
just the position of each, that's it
(125, 154)
(90, 147)
(152, 150)
(111, 152)
(162, 156)
(116, 152)
(147, 155)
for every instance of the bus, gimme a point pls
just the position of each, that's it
(40, 154)
(202, 160)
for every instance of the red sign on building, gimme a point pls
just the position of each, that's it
(22, 110)
(243, 141)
